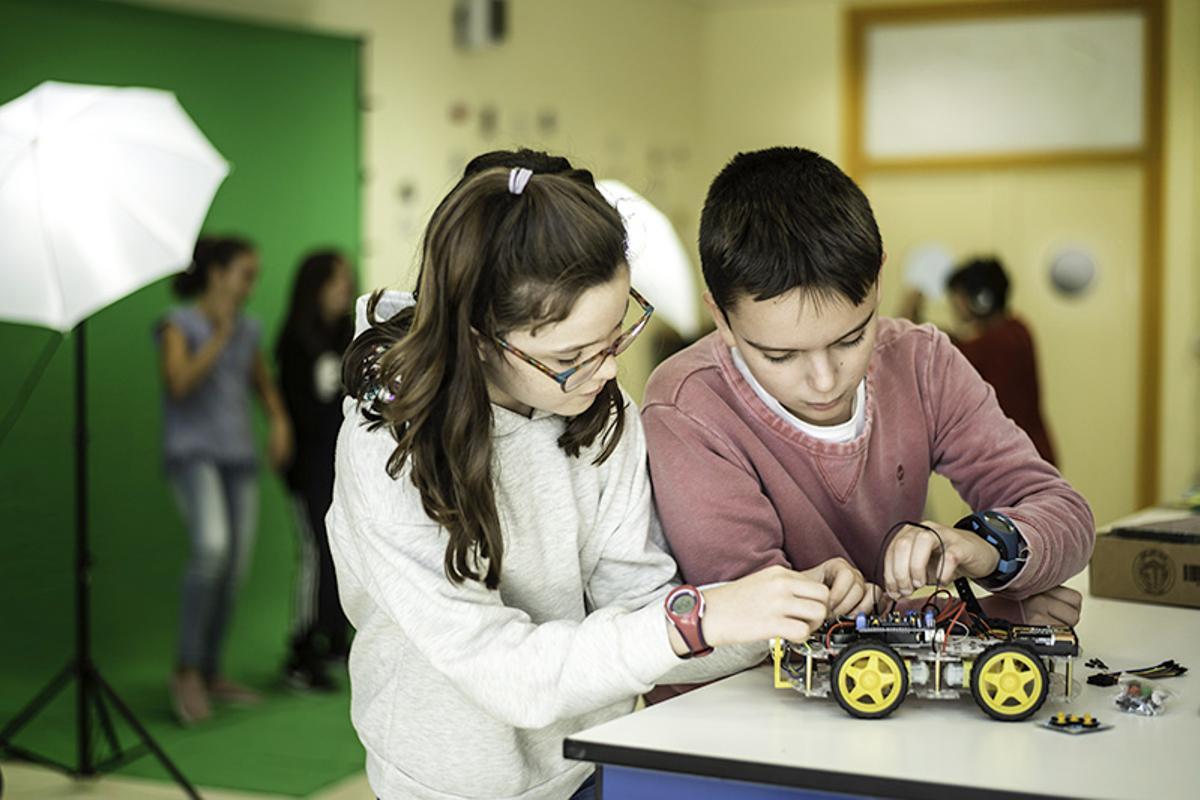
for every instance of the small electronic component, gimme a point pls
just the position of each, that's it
(1108, 676)
(1139, 696)
(1074, 723)
(1045, 640)
(894, 628)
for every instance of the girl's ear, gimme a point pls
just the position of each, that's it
(482, 345)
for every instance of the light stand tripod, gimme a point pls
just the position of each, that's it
(93, 691)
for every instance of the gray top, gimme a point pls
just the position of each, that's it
(459, 691)
(213, 422)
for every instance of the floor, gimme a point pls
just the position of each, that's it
(28, 782)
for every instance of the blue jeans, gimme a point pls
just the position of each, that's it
(220, 507)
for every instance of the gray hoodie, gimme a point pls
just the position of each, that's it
(461, 691)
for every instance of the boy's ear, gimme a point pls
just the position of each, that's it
(719, 320)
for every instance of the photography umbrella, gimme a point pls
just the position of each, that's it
(102, 191)
(658, 263)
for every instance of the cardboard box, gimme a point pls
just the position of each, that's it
(1157, 562)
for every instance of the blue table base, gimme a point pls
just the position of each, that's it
(628, 783)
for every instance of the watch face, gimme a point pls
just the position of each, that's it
(683, 604)
(999, 521)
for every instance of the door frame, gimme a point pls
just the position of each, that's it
(1148, 157)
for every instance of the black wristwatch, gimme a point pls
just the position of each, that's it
(1001, 532)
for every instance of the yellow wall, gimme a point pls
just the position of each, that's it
(1180, 407)
(660, 93)
(773, 73)
(620, 75)
(1024, 215)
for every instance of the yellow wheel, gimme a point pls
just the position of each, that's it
(1009, 682)
(869, 680)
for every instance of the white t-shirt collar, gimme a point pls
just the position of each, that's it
(842, 432)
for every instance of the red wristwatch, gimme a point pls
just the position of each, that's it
(685, 609)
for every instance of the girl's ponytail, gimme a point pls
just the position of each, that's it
(493, 260)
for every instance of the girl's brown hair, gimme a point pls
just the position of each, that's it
(492, 262)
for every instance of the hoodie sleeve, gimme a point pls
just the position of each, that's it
(635, 568)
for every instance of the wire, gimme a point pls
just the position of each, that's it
(958, 613)
(950, 610)
(832, 628)
(887, 537)
(930, 604)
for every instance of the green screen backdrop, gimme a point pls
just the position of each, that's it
(282, 107)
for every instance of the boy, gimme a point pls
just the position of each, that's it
(806, 426)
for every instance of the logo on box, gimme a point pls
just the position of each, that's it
(1153, 571)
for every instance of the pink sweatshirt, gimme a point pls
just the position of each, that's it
(739, 489)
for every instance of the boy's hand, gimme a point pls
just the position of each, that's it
(914, 555)
(1057, 606)
(847, 588)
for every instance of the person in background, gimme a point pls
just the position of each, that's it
(998, 344)
(318, 327)
(211, 362)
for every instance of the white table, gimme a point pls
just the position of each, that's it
(770, 743)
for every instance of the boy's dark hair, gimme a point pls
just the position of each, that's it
(786, 218)
(984, 284)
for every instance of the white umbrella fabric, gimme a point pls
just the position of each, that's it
(658, 263)
(102, 191)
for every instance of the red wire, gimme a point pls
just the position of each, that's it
(950, 609)
(832, 628)
(946, 641)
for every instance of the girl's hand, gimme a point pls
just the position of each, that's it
(279, 444)
(773, 602)
(848, 591)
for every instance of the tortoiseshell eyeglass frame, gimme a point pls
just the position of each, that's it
(570, 379)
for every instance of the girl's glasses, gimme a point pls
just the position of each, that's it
(571, 379)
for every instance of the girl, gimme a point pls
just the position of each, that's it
(491, 521)
(210, 362)
(309, 356)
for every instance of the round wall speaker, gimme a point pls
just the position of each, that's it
(1072, 271)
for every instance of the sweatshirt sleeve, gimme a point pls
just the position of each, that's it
(718, 522)
(525, 674)
(635, 569)
(994, 465)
